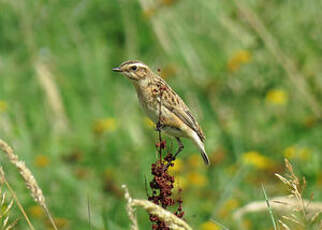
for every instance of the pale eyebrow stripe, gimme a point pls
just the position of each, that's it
(138, 65)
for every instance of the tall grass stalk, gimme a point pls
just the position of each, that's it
(270, 210)
(13, 194)
(171, 220)
(29, 179)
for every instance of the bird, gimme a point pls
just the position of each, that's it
(163, 105)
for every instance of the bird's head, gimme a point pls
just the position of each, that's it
(134, 70)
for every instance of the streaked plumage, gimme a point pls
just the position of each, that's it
(176, 118)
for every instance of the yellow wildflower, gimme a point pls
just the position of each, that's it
(257, 160)
(41, 161)
(293, 152)
(228, 207)
(209, 226)
(104, 125)
(148, 122)
(177, 167)
(276, 97)
(3, 106)
(197, 179)
(36, 211)
(239, 58)
(180, 182)
(194, 161)
(290, 152)
(148, 13)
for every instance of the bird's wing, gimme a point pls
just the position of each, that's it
(176, 105)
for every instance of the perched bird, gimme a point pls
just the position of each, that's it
(175, 118)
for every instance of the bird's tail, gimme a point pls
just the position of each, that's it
(201, 147)
(205, 157)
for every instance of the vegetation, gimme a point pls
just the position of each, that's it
(250, 71)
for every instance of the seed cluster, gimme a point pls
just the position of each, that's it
(162, 185)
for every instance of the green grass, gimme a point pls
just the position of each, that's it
(193, 44)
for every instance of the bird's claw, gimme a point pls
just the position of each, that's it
(159, 126)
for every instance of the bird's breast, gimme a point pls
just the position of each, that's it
(149, 103)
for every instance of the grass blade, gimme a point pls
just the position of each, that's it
(270, 210)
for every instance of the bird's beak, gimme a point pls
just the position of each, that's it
(117, 69)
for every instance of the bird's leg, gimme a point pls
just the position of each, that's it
(180, 148)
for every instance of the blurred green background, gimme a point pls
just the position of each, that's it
(251, 72)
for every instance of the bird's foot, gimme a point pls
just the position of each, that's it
(159, 126)
(173, 158)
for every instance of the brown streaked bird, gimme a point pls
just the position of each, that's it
(176, 119)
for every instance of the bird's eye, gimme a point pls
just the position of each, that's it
(134, 67)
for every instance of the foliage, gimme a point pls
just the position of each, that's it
(253, 86)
